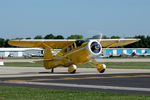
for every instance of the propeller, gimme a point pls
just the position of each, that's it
(100, 37)
(95, 47)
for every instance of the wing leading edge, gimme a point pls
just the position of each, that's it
(41, 43)
(117, 42)
(63, 43)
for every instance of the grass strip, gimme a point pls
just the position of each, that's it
(124, 65)
(120, 65)
(17, 93)
(24, 64)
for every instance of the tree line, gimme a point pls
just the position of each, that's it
(4, 42)
(143, 43)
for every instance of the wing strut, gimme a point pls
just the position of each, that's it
(60, 54)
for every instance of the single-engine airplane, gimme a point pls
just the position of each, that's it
(73, 52)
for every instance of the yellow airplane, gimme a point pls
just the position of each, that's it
(73, 52)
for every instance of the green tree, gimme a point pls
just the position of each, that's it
(99, 36)
(38, 37)
(6, 43)
(115, 37)
(49, 36)
(59, 37)
(148, 41)
(2, 42)
(143, 43)
(18, 38)
(28, 38)
(75, 37)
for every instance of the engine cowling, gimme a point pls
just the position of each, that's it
(94, 48)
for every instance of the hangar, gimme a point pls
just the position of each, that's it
(128, 51)
(19, 52)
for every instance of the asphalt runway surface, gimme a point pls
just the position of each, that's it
(126, 83)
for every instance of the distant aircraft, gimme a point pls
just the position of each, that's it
(73, 52)
(134, 54)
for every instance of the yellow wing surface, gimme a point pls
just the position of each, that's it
(55, 43)
(117, 42)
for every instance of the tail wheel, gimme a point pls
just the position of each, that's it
(101, 68)
(72, 69)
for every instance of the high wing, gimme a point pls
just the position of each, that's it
(53, 43)
(60, 43)
(117, 42)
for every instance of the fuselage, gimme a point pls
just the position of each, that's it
(77, 53)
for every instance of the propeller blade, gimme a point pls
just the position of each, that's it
(100, 37)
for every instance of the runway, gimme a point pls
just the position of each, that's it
(113, 81)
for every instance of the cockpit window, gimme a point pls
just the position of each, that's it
(79, 42)
(65, 50)
(73, 45)
(69, 48)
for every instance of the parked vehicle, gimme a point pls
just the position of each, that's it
(10, 55)
(30, 55)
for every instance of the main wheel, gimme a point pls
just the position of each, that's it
(72, 69)
(73, 72)
(101, 68)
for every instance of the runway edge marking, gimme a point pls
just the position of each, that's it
(83, 86)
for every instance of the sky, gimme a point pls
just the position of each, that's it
(28, 18)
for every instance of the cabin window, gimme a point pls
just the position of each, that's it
(79, 42)
(65, 50)
(73, 45)
(69, 48)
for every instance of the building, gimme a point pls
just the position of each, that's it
(128, 51)
(19, 52)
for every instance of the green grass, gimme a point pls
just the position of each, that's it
(24, 64)
(147, 57)
(16, 93)
(126, 65)
(129, 65)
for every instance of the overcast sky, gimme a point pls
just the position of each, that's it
(28, 18)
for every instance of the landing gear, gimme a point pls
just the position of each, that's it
(72, 69)
(101, 68)
(52, 70)
(73, 72)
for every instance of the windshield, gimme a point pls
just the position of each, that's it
(79, 42)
